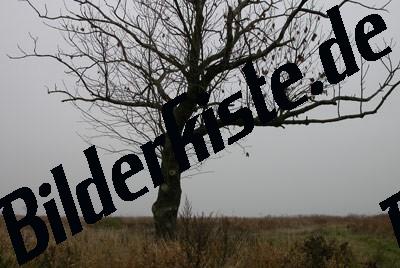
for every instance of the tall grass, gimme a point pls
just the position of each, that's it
(209, 241)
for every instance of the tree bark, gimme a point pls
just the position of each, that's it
(165, 209)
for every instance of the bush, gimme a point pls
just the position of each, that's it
(318, 252)
(206, 241)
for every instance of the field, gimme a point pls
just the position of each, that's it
(205, 241)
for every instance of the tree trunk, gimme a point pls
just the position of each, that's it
(165, 209)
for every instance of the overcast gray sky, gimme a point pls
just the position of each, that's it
(356, 163)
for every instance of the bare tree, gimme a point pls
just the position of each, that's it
(129, 58)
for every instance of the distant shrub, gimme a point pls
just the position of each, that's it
(319, 252)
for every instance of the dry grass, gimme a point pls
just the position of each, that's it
(204, 241)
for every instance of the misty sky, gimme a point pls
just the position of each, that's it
(342, 168)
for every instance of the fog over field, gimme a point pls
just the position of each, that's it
(339, 169)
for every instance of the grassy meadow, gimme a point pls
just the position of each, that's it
(205, 241)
